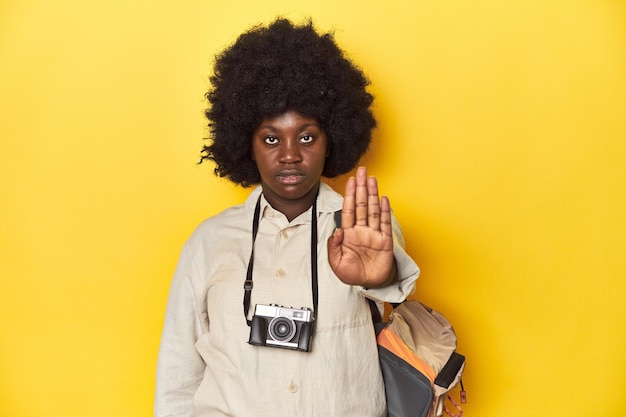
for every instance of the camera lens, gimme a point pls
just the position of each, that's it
(282, 329)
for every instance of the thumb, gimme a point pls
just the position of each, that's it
(334, 246)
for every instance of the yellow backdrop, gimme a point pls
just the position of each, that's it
(502, 146)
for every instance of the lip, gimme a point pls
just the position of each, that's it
(290, 177)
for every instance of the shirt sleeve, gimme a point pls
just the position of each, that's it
(180, 367)
(406, 269)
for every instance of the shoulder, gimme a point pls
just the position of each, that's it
(329, 200)
(228, 224)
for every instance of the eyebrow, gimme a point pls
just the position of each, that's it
(302, 127)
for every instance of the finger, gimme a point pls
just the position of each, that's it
(385, 216)
(349, 202)
(373, 204)
(361, 197)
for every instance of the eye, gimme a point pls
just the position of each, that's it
(306, 139)
(271, 140)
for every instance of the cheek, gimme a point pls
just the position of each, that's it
(258, 153)
(253, 151)
(320, 159)
(262, 160)
(326, 150)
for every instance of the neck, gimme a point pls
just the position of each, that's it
(292, 208)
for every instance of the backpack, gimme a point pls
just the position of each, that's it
(418, 360)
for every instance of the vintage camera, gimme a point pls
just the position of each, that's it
(284, 327)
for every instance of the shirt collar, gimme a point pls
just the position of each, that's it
(328, 201)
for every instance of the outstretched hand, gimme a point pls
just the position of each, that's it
(361, 251)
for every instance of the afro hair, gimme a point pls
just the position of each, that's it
(281, 67)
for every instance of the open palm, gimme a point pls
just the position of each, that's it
(361, 251)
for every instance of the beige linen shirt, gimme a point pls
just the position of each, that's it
(207, 368)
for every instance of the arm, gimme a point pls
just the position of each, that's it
(180, 368)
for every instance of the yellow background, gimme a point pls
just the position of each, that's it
(502, 146)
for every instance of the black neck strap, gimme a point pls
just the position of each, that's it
(247, 286)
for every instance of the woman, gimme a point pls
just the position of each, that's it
(286, 108)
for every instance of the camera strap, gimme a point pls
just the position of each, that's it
(247, 286)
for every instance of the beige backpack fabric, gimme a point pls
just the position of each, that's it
(417, 351)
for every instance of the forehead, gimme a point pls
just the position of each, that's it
(289, 119)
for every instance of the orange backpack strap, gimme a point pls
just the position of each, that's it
(392, 342)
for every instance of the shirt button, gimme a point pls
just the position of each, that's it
(284, 234)
(281, 273)
(293, 388)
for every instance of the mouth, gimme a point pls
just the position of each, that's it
(290, 178)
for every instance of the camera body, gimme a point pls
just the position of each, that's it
(284, 327)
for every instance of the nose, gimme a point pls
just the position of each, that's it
(290, 151)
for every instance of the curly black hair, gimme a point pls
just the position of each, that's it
(281, 67)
